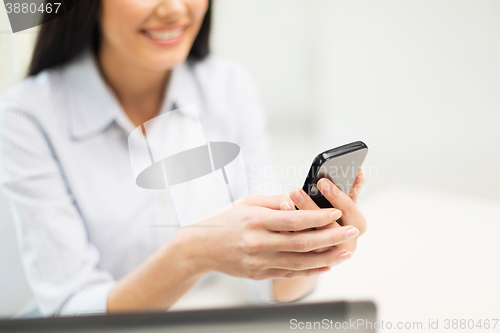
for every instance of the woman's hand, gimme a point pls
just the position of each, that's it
(351, 215)
(247, 241)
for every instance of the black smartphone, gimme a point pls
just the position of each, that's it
(341, 165)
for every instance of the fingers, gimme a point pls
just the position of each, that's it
(285, 205)
(271, 202)
(357, 185)
(302, 200)
(306, 241)
(306, 264)
(350, 245)
(308, 260)
(295, 220)
(350, 212)
(276, 273)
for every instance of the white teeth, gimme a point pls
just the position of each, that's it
(165, 35)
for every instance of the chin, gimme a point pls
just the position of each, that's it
(165, 61)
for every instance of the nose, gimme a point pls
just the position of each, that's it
(171, 10)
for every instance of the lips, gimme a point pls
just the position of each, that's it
(164, 35)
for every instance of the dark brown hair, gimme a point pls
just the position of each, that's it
(63, 38)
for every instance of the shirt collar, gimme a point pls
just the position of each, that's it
(93, 106)
(183, 90)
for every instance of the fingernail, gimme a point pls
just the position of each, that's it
(345, 256)
(325, 186)
(286, 206)
(351, 233)
(297, 196)
(335, 215)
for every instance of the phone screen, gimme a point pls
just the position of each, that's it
(339, 166)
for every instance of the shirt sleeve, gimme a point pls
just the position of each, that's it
(60, 263)
(255, 147)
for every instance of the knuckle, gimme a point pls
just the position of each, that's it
(298, 265)
(301, 243)
(338, 236)
(251, 197)
(291, 221)
(251, 246)
(332, 259)
(289, 274)
(250, 218)
(251, 265)
(252, 269)
(349, 207)
(310, 272)
(255, 275)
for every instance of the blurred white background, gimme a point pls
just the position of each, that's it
(417, 81)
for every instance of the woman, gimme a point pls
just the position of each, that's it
(87, 243)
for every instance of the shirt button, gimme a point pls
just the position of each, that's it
(117, 133)
(162, 200)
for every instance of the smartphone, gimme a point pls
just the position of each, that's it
(341, 165)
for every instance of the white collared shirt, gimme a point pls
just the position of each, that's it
(82, 222)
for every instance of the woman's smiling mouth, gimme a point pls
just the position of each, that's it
(165, 36)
